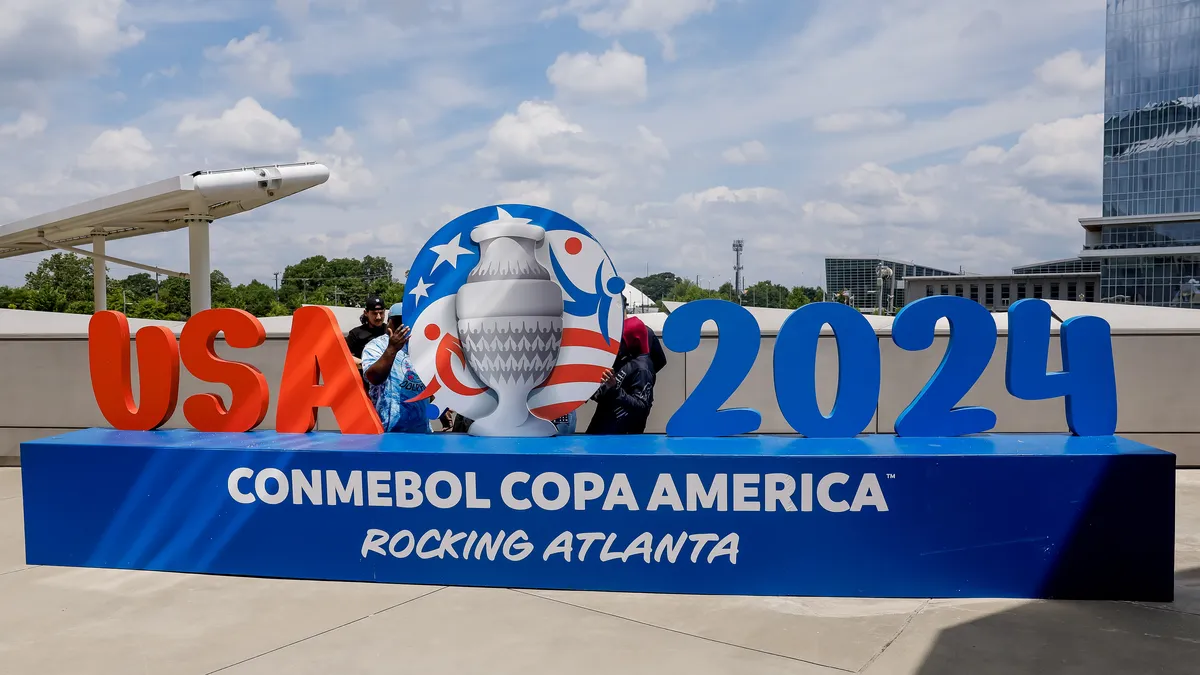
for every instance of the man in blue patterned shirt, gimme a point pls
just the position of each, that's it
(393, 381)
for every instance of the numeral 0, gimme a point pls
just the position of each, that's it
(1087, 382)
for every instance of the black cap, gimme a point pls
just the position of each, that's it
(374, 303)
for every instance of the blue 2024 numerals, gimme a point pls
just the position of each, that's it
(1087, 382)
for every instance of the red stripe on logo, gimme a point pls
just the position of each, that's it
(579, 337)
(574, 372)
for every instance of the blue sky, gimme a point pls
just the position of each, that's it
(939, 131)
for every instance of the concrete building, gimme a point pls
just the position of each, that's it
(859, 279)
(1074, 279)
(1148, 235)
(999, 291)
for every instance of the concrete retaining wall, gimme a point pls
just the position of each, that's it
(45, 389)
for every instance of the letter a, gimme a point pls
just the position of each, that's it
(248, 405)
(317, 351)
(109, 365)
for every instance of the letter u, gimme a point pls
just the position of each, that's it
(109, 365)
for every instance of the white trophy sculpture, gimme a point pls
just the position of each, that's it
(510, 324)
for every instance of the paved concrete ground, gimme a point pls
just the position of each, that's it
(77, 621)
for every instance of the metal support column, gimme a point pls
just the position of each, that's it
(99, 274)
(199, 268)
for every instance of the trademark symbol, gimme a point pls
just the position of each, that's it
(891, 475)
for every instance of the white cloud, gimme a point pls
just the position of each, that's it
(339, 141)
(524, 192)
(723, 194)
(350, 179)
(615, 17)
(49, 39)
(256, 63)
(616, 76)
(26, 125)
(859, 120)
(1062, 159)
(650, 147)
(626, 16)
(750, 152)
(246, 127)
(1069, 72)
(537, 139)
(161, 73)
(985, 154)
(124, 149)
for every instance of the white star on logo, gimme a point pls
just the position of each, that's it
(422, 290)
(449, 252)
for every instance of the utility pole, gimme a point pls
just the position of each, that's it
(277, 285)
(156, 286)
(738, 246)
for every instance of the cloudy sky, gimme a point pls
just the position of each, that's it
(941, 131)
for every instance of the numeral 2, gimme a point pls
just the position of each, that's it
(737, 347)
(1087, 382)
(858, 371)
(968, 351)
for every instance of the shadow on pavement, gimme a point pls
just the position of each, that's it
(1077, 637)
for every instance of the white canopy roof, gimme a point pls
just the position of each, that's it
(161, 206)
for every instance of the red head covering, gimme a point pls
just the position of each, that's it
(636, 337)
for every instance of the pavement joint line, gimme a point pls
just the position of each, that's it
(903, 627)
(1157, 608)
(680, 632)
(20, 569)
(326, 631)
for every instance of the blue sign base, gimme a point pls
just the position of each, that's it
(986, 516)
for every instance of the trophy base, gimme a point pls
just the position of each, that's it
(532, 427)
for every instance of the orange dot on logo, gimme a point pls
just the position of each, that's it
(573, 245)
(432, 331)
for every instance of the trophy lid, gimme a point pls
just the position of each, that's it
(507, 226)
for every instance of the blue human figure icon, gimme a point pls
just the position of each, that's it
(587, 303)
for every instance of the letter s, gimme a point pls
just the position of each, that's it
(248, 405)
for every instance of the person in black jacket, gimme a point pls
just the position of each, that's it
(371, 328)
(626, 394)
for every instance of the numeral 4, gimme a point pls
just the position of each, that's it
(1088, 380)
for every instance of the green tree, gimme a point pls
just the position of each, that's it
(259, 298)
(377, 271)
(140, 285)
(802, 295)
(175, 293)
(766, 294)
(14, 298)
(656, 286)
(149, 308)
(685, 290)
(223, 293)
(392, 294)
(65, 277)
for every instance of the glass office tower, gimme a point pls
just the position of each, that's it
(1149, 236)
